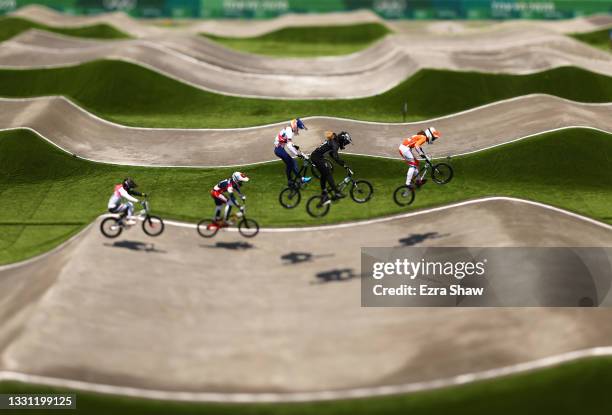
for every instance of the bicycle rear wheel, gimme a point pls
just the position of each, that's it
(111, 228)
(442, 173)
(316, 208)
(207, 228)
(248, 228)
(153, 225)
(403, 195)
(361, 191)
(290, 197)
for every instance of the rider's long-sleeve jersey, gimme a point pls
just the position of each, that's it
(119, 194)
(228, 186)
(331, 147)
(415, 142)
(284, 139)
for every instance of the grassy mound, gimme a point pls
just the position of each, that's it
(571, 388)
(599, 39)
(47, 195)
(12, 26)
(130, 94)
(308, 41)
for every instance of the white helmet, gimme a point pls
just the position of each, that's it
(432, 134)
(239, 177)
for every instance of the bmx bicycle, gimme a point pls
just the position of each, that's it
(291, 196)
(113, 226)
(360, 191)
(441, 173)
(247, 227)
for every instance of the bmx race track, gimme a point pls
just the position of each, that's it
(193, 59)
(183, 313)
(278, 317)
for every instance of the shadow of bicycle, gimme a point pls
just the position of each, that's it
(136, 246)
(232, 246)
(293, 258)
(336, 275)
(418, 238)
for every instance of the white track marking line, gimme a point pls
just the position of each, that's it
(354, 393)
(343, 225)
(313, 117)
(478, 150)
(200, 63)
(48, 253)
(412, 214)
(133, 26)
(171, 166)
(268, 125)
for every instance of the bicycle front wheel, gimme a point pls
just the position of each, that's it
(248, 228)
(361, 191)
(153, 225)
(111, 228)
(403, 195)
(207, 228)
(316, 208)
(442, 173)
(290, 197)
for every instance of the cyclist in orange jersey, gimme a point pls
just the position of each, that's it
(429, 135)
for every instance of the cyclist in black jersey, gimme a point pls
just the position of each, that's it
(333, 143)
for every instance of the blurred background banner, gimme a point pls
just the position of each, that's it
(391, 9)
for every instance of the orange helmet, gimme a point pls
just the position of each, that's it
(432, 134)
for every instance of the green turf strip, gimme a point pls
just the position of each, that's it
(599, 39)
(12, 26)
(47, 195)
(580, 387)
(132, 95)
(308, 41)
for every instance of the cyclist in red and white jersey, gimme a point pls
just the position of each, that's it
(122, 200)
(228, 186)
(284, 142)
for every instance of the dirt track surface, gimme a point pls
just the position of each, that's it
(183, 313)
(82, 134)
(207, 65)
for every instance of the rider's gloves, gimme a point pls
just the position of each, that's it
(349, 171)
(243, 197)
(296, 147)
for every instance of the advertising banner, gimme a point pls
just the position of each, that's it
(390, 9)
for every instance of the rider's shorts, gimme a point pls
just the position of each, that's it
(407, 155)
(219, 198)
(118, 208)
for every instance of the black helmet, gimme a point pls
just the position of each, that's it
(344, 139)
(128, 184)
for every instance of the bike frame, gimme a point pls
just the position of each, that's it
(428, 165)
(349, 179)
(296, 181)
(345, 182)
(141, 215)
(234, 218)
